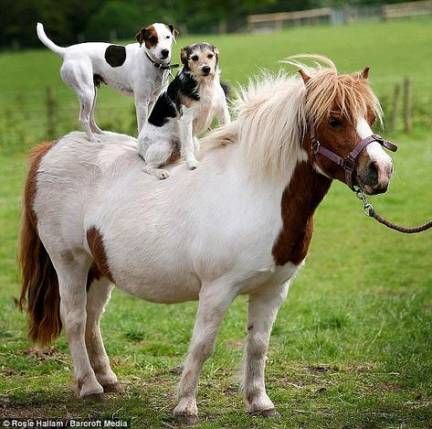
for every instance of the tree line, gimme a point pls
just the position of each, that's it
(69, 21)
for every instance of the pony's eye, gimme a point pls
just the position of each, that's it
(194, 57)
(210, 56)
(335, 122)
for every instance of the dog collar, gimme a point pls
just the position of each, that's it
(160, 65)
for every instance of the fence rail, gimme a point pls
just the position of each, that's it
(410, 9)
(276, 21)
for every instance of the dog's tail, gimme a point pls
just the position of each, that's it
(47, 42)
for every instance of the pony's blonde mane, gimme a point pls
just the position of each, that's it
(273, 111)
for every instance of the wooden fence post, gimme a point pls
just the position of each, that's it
(51, 107)
(395, 107)
(407, 105)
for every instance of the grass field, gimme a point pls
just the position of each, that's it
(351, 347)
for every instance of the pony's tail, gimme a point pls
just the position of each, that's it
(40, 290)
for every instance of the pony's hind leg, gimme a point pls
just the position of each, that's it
(97, 297)
(263, 308)
(72, 275)
(214, 300)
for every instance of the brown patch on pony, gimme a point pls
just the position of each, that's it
(39, 291)
(92, 275)
(97, 249)
(299, 200)
(148, 36)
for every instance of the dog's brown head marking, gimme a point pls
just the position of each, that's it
(148, 36)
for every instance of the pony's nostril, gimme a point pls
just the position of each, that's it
(372, 173)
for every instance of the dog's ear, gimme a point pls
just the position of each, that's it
(184, 55)
(142, 35)
(216, 52)
(173, 30)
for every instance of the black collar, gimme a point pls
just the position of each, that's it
(160, 65)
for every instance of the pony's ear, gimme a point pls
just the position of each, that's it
(184, 55)
(173, 30)
(364, 74)
(304, 76)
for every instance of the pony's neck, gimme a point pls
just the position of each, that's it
(304, 192)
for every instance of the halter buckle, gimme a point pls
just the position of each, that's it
(349, 164)
(315, 146)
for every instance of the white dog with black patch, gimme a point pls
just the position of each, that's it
(139, 69)
(184, 111)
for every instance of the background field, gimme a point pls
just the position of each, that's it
(351, 346)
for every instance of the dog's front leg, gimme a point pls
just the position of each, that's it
(142, 111)
(187, 139)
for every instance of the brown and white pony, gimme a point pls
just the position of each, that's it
(239, 224)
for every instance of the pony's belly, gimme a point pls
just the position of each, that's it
(163, 291)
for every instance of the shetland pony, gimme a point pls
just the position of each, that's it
(240, 224)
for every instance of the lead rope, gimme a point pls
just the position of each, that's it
(370, 212)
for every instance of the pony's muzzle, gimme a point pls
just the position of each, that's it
(375, 177)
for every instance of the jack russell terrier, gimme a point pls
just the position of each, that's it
(135, 70)
(184, 111)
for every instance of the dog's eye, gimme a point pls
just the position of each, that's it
(153, 40)
(335, 122)
(210, 56)
(167, 37)
(194, 57)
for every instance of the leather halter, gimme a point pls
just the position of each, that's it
(349, 163)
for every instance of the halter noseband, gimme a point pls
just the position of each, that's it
(349, 163)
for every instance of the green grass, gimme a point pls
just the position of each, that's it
(351, 346)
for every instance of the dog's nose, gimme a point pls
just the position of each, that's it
(164, 53)
(206, 70)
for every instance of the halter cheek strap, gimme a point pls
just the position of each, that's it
(349, 163)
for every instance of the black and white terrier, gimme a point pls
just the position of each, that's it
(184, 111)
(139, 69)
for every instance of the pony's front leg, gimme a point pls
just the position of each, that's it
(97, 297)
(214, 300)
(263, 307)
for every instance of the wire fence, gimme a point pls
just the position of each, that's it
(29, 117)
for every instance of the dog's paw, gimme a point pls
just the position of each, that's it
(161, 174)
(192, 164)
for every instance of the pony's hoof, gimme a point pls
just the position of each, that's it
(113, 388)
(272, 413)
(186, 419)
(94, 397)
